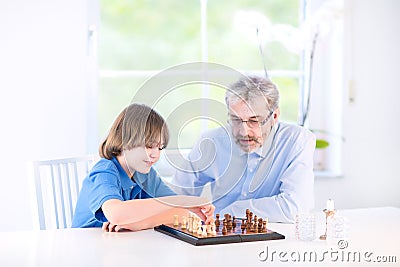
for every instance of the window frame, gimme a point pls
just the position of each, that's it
(302, 75)
(298, 74)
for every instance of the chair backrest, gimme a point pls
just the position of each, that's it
(57, 186)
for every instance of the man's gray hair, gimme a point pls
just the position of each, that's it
(250, 88)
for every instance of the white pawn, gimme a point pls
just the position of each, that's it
(199, 231)
(195, 224)
(214, 230)
(176, 220)
(204, 233)
(190, 224)
(208, 228)
(183, 226)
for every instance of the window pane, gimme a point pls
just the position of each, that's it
(144, 34)
(289, 98)
(188, 113)
(232, 33)
(115, 93)
(187, 110)
(154, 35)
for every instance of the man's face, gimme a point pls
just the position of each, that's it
(250, 136)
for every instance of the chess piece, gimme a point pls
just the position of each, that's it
(247, 213)
(213, 232)
(224, 230)
(183, 226)
(204, 233)
(248, 225)
(213, 229)
(217, 220)
(243, 226)
(226, 216)
(260, 225)
(190, 224)
(208, 226)
(199, 230)
(265, 223)
(195, 224)
(212, 221)
(254, 227)
(176, 220)
(229, 225)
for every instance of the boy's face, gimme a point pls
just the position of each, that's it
(141, 159)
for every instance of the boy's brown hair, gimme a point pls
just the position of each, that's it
(137, 125)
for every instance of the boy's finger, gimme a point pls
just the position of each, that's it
(105, 226)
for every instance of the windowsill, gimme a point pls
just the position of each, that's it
(327, 174)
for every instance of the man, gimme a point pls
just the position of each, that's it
(256, 162)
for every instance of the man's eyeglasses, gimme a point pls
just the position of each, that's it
(236, 122)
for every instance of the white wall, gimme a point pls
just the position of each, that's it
(44, 91)
(371, 124)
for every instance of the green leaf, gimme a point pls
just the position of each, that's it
(320, 143)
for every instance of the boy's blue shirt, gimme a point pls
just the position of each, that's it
(107, 180)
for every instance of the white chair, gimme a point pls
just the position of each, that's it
(57, 185)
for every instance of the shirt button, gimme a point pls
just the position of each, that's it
(244, 194)
(251, 170)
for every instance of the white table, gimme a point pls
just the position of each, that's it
(373, 231)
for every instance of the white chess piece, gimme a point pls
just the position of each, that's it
(183, 226)
(208, 228)
(213, 229)
(195, 224)
(204, 233)
(176, 220)
(199, 231)
(190, 224)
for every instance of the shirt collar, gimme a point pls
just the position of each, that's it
(269, 142)
(126, 181)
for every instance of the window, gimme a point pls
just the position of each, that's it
(327, 84)
(139, 39)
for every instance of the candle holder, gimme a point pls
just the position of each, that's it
(328, 213)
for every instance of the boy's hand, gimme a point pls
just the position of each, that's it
(109, 227)
(205, 212)
(208, 211)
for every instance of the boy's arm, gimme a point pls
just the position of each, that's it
(121, 213)
(148, 223)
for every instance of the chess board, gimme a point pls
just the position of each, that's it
(235, 235)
